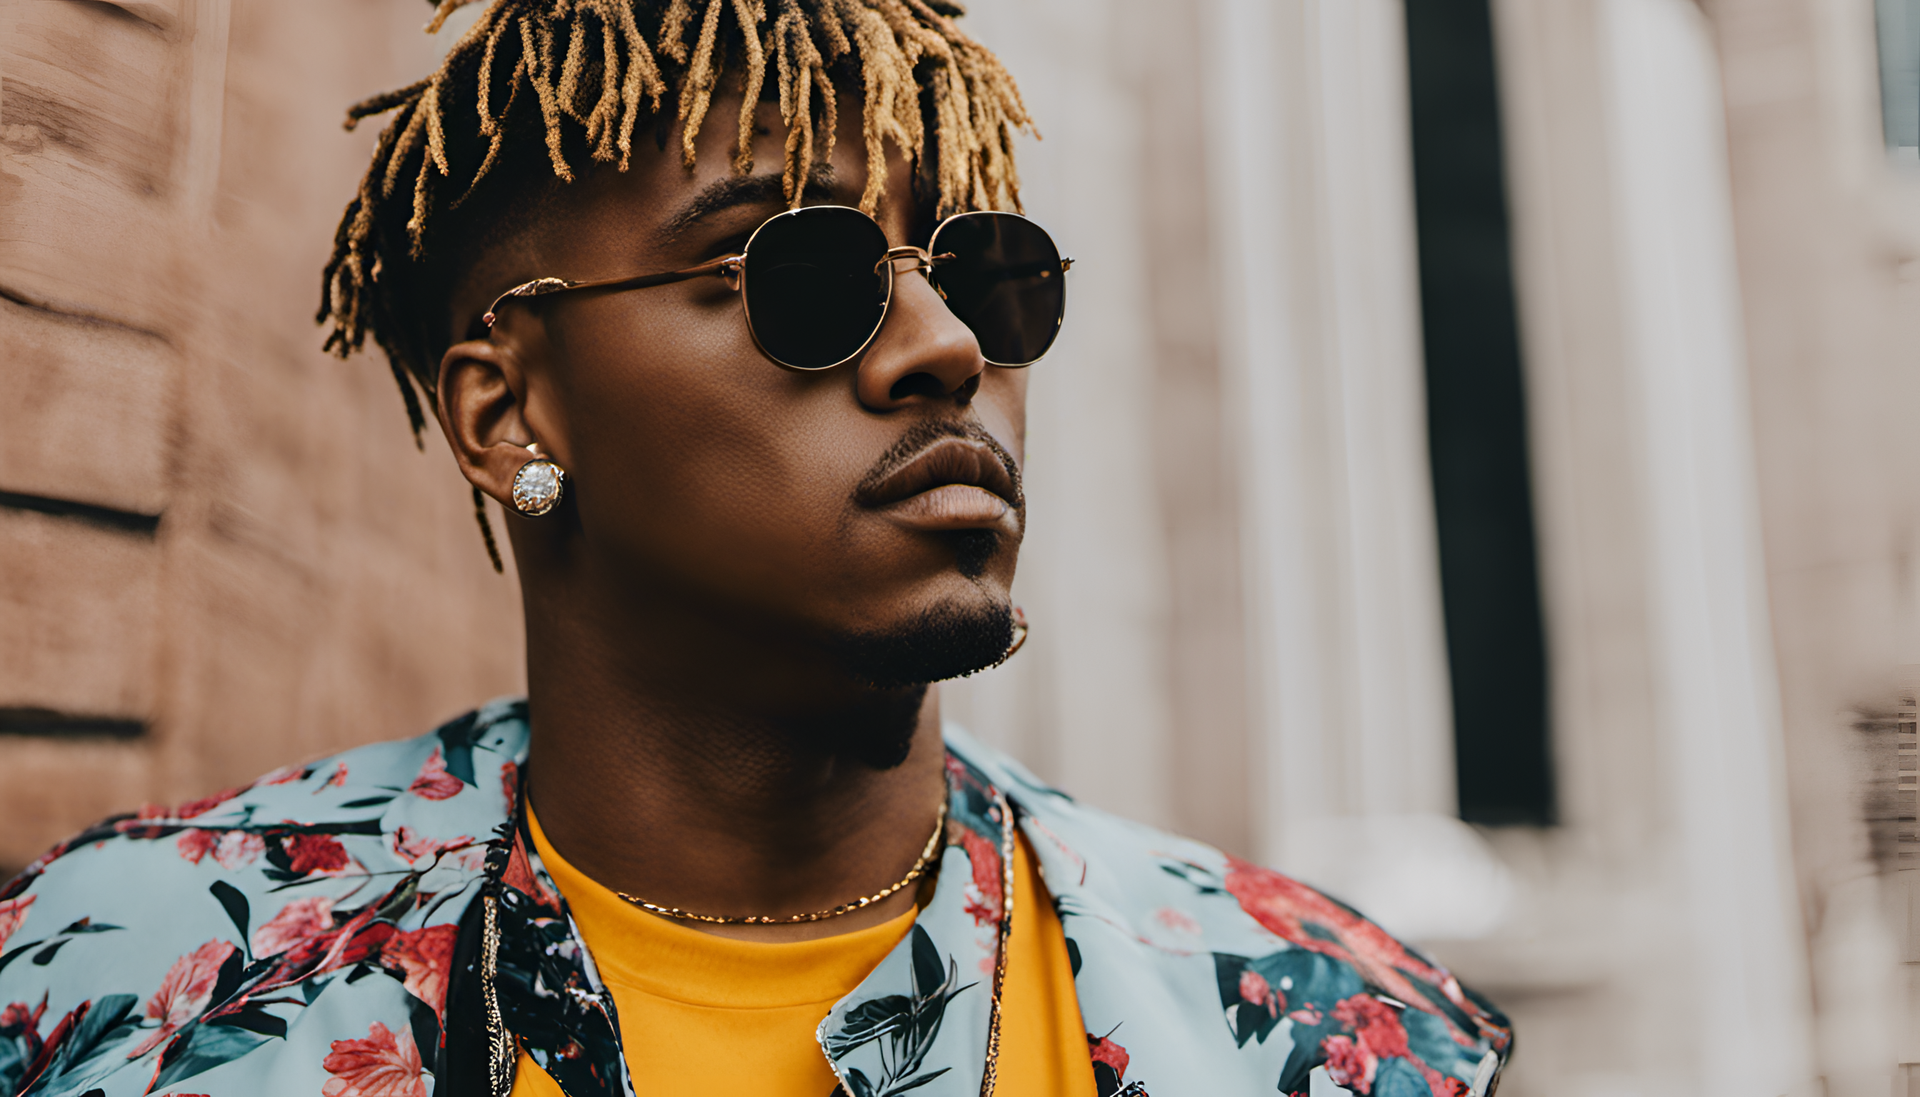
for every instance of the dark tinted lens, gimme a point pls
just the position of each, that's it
(1004, 281)
(813, 296)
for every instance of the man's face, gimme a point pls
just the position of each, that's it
(864, 507)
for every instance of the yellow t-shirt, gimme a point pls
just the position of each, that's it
(721, 1017)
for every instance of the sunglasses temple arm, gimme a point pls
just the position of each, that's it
(727, 267)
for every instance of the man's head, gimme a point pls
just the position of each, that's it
(710, 490)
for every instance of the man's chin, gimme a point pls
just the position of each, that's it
(946, 641)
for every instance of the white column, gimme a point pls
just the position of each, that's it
(1312, 179)
(1716, 698)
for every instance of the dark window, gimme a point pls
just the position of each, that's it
(1898, 26)
(1477, 419)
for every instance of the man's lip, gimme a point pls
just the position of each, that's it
(946, 461)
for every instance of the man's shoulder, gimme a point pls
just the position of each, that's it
(363, 791)
(123, 936)
(1154, 917)
(1087, 850)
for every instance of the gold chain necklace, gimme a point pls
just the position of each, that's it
(918, 870)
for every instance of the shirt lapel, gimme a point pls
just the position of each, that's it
(926, 1019)
(550, 995)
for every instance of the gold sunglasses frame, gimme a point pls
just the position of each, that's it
(733, 269)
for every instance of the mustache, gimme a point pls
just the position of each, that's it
(928, 431)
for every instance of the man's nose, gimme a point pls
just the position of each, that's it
(923, 352)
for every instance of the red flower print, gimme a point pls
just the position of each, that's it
(983, 898)
(1307, 1016)
(519, 876)
(1255, 988)
(1349, 1064)
(17, 1018)
(1381, 1035)
(13, 914)
(233, 848)
(1176, 920)
(1287, 908)
(196, 843)
(239, 848)
(434, 782)
(385, 1064)
(510, 784)
(359, 938)
(1375, 1024)
(206, 803)
(184, 992)
(425, 955)
(417, 847)
(283, 775)
(362, 941)
(1106, 1051)
(338, 779)
(298, 921)
(310, 853)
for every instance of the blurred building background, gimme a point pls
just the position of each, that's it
(1479, 475)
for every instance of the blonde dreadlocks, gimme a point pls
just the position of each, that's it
(593, 75)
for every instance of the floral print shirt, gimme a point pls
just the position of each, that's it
(378, 925)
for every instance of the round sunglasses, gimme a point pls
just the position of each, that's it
(815, 283)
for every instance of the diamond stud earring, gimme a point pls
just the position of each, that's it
(539, 485)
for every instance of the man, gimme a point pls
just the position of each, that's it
(758, 434)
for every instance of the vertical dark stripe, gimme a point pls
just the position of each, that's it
(1477, 419)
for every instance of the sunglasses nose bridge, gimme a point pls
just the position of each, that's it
(922, 260)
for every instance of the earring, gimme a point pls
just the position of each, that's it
(539, 485)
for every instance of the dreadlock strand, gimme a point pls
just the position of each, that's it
(422, 205)
(795, 111)
(642, 78)
(829, 26)
(483, 91)
(486, 531)
(829, 108)
(697, 90)
(569, 90)
(749, 15)
(416, 418)
(539, 73)
(498, 139)
(330, 297)
(442, 10)
(410, 123)
(381, 104)
(673, 30)
(783, 57)
(436, 131)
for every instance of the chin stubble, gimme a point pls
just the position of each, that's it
(897, 665)
(944, 642)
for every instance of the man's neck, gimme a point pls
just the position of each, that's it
(714, 774)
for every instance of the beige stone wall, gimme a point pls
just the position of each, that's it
(170, 175)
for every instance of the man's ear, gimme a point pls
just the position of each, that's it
(481, 404)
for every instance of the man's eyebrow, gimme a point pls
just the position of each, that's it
(744, 190)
